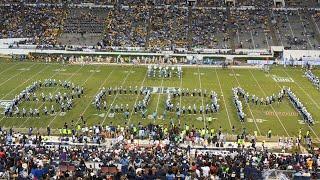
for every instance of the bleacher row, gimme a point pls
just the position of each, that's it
(139, 153)
(207, 3)
(163, 27)
(85, 20)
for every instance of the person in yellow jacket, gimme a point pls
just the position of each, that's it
(203, 132)
(269, 133)
(187, 128)
(239, 142)
(134, 129)
(308, 134)
(165, 131)
(64, 131)
(300, 131)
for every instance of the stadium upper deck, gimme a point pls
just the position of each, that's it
(205, 3)
(163, 24)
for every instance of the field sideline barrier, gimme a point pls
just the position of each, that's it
(182, 65)
(55, 132)
(228, 146)
(8, 47)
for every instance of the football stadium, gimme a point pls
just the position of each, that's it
(159, 89)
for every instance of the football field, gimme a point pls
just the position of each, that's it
(282, 118)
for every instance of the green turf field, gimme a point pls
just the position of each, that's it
(281, 118)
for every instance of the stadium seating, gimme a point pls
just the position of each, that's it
(159, 26)
(134, 161)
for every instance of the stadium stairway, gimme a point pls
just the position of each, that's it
(189, 38)
(231, 30)
(272, 31)
(313, 25)
(151, 12)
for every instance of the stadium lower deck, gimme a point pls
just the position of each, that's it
(281, 118)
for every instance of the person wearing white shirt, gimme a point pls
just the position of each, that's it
(205, 170)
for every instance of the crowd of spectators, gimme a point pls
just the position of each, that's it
(112, 59)
(161, 24)
(169, 27)
(85, 20)
(127, 27)
(33, 156)
(202, 3)
(42, 24)
(209, 28)
(253, 29)
(294, 30)
(255, 3)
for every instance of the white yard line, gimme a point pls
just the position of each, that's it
(75, 102)
(7, 69)
(313, 132)
(310, 98)
(131, 113)
(159, 95)
(305, 92)
(270, 104)
(254, 119)
(15, 75)
(114, 99)
(19, 86)
(53, 93)
(104, 82)
(180, 96)
(203, 115)
(12, 90)
(224, 102)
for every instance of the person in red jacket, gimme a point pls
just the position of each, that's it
(2, 154)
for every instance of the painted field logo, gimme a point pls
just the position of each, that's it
(303, 122)
(96, 71)
(59, 70)
(24, 69)
(282, 79)
(208, 119)
(129, 72)
(271, 113)
(197, 74)
(161, 90)
(234, 74)
(257, 120)
(102, 115)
